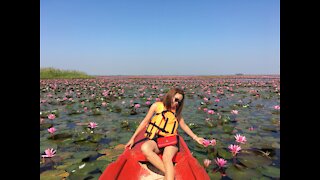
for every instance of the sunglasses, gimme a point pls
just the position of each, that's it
(177, 100)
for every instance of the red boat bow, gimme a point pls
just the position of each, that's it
(128, 165)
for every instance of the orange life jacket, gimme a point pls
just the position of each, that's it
(164, 123)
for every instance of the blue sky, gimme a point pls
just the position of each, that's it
(161, 37)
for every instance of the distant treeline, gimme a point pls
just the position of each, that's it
(52, 73)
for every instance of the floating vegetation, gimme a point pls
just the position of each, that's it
(92, 119)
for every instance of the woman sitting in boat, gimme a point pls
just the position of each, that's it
(163, 126)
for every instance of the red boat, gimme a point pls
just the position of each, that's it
(132, 164)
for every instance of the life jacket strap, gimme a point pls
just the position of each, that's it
(162, 129)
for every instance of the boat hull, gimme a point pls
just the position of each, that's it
(129, 165)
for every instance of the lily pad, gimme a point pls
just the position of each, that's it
(228, 129)
(270, 171)
(269, 128)
(53, 174)
(60, 136)
(261, 178)
(215, 175)
(65, 142)
(64, 166)
(96, 137)
(84, 171)
(253, 160)
(84, 154)
(45, 126)
(244, 174)
(224, 154)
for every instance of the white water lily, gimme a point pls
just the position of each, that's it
(73, 171)
(82, 166)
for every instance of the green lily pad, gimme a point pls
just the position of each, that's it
(81, 137)
(253, 160)
(96, 137)
(215, 175)
(269, 128)
(72, 161)
(263, 145)
(45, 126)
(84, 154)
(244, 174)
(227, 129)
(65, 155)
(270, 171)
(227, 137)
(261, 178)
(224, 154)
(65, 142)
(60, 136)
(64, 166)
(84, 171)
(52, 174)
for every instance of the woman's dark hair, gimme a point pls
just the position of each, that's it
(167, 100)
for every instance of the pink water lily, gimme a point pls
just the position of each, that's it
(52, 130)
(213, 142)
(251, 128)
(207, 142)
(206, 162)
(217, 100)
(103, 103)
(148, 103)
(93, 125)
(51, 116)
(220, 162)
(85, 109)
(234, 112)
(234, 149)
(277, 107)
(210, 111)
(240, 139)
(49, 153)
(137, 106)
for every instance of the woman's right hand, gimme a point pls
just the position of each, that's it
(130, 143)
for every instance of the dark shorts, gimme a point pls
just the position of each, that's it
(162, 149)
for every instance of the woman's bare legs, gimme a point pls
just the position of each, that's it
(168, 154)
(151, 150)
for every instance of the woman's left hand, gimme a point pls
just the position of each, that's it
(199, 140)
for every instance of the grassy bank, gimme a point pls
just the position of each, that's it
(52, 73)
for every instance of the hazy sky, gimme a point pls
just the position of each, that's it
(161, 37)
